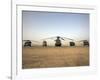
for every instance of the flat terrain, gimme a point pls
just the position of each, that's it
(44, 57)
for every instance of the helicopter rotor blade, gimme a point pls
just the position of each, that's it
(32, 41)
(82, 40)
(35, 41)
(49, 38)
(68, 38)
(62, 38)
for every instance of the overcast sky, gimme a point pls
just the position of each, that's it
(38, 25)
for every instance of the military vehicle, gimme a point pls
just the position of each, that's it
(58, 41)
(27, 43)
(72, 43)
(44, 43)
(85, 42)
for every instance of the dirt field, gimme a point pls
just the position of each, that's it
(44, 57)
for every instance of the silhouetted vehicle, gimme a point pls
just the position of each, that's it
(27, 43)
(58, 41)
(85, 42)
(72, 43)
(44, 43)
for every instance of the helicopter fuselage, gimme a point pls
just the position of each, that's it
(44, 43)
(27, 43)
(86, 43)
(58, 42)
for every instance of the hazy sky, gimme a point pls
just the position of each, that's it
(38, 25)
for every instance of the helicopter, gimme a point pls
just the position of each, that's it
(58, 41)
(85, 42)
(28, 43)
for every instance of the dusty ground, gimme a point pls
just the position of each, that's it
(43, 57)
